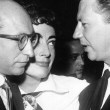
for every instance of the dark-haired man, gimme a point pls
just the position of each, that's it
(93, 30)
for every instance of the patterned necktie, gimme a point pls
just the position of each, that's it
(100, 91)
(30, 102)
(7, 102)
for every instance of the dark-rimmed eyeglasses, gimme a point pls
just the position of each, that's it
(22, 39)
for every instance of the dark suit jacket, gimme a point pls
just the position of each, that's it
(86, 99)
(17, 102)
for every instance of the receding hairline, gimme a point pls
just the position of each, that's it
(12, 8)
(9, 9)
(97, 8)
(94, 4)
(15, 16)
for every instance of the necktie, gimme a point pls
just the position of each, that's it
(6, 96)
(100, 91)
(6, 88)
(30, 102)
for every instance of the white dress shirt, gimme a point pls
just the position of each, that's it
(60, 92)
(107, 93)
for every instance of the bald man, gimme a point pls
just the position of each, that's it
(16, 32)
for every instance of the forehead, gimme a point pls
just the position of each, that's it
(44, 29)
(86, 7)
(15, 25)
(76, 47)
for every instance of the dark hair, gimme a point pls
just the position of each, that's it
(104, 4)
(41, 15)
(103, 7)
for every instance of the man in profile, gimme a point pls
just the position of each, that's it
(93, 30)
(16, 34)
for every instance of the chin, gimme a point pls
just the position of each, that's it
(44, 74)
(17, 72)
(92, 56)
(38, 74)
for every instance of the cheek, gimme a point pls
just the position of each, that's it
(76, 63)
(100, 41)
(4, 58)
(52, 51)
(11, 49)
(95, 37)
(52, 58)
(5, 62)
(6, 55)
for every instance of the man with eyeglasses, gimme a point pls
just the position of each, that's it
(17, 40)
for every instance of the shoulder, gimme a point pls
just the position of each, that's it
(86, 95)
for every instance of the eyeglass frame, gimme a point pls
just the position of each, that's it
(20, 37)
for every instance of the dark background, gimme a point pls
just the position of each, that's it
(66, 11)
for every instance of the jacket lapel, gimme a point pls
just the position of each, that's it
(2, 107)
(86, 96)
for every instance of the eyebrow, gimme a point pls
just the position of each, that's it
(50, 37)
(53, 36)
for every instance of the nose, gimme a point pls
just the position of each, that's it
(45, 51)
(80, 60)
(28, 50)
(78, 32)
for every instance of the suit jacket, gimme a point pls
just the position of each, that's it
(86, 99)
(17, 102)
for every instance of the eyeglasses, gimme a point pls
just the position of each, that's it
(22, 39)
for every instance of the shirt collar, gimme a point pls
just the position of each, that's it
(50, 85)
(2, 79)
(105, 67)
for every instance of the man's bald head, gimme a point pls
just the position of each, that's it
(9, 7)
(16, 31)
(13, 14)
